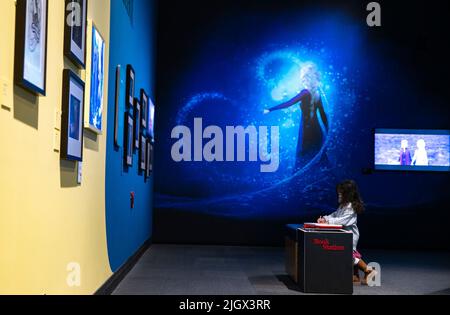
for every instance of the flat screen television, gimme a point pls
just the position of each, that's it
(412, 150)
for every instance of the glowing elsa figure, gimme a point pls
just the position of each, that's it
(405, 154)
(420, 155)
(311, 135)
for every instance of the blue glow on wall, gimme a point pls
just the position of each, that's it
(231, 83)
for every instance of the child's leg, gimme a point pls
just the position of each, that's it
(362, 265)
(356, 277)
(356, 271)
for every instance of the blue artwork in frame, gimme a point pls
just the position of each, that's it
(97, 82)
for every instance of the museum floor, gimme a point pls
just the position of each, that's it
(215, 270)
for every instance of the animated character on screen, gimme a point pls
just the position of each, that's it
(405, 154)
(420, 155)
(311, 136)
(350, 206)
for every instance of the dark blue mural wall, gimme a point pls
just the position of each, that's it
(228, 62)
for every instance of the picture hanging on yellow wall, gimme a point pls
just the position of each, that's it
(72, 117)
(75, 31)
(94, 110)
(31, 45)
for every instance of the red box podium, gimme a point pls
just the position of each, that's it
(320, 260)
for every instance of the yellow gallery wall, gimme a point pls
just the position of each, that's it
(47, 220)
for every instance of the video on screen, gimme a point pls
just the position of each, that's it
(415, 150)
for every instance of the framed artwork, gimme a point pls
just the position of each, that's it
(149, 159)
(137, 123)
(129, 139)
(144, 104)
(94, 112)
(75, 31)
(30, 71)
(72, 117)
(151, 120)
(142, 153)
(131, 77)
(116, 108)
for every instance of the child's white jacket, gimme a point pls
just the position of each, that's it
(348, 218)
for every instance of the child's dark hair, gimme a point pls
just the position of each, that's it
(350, 194)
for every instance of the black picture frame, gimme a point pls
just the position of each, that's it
(72, 121)
(151, 120)
(128, 140)
(130, 86)
(142, 153)
(75, 35)
(137, 123)
(149, 159)
(145, 108)
(29, 43)
(116, 108)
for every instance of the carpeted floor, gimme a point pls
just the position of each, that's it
(215, 270)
